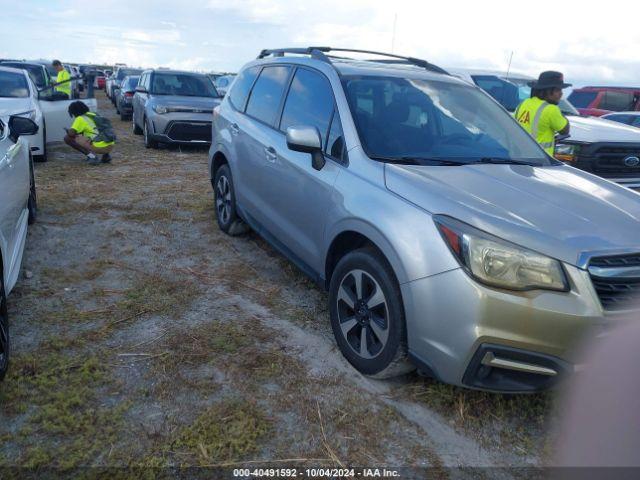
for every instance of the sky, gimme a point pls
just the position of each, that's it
(590, 42)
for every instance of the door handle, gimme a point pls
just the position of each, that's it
(271, 154)
(235, 130)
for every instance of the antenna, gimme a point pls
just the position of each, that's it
(509, 66)
(393, 37)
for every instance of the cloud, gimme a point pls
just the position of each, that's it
(224, 34)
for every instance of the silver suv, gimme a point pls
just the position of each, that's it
(447, 238)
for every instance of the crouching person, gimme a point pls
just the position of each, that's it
(90, 134)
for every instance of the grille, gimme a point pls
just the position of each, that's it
(616, 293)
(619, 261)
(190, 131)
(609, 159)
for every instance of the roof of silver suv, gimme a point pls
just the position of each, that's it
(392, 65)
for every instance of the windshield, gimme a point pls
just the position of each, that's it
(13, 85)
(401, 118)
(183, 84)
(513, 91)
(123, 72)
(36, 72)
(582, 99)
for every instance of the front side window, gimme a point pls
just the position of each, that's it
(13, 85)
(400, 118)
(267, 93)
(182, 84)
(309, 103)
(335, 141)
(240, 91)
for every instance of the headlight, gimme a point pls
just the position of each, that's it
(566, 152)
(31, 115)
(498, 263)
(160, 109)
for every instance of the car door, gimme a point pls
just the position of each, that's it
(56, 113)
(254, 144)
(13, 195)
(137, 105)
(299, 195)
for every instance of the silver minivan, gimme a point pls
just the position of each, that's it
(447, 238)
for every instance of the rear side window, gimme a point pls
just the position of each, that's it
(617, 101)
(309, 103)
(582, 99)
(13, 85)
(267, 93)
(240, 92)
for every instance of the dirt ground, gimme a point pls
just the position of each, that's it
(143, 336)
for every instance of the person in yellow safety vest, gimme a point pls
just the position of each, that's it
(540, 114)
(63, 80)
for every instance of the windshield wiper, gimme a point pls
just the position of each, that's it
(503, 161)
(424, 161)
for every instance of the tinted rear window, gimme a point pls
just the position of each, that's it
(617, 101)
(240, 91)
(123, 72)
(267, 93)
(582, 99)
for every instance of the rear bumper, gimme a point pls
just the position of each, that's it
(474, 336)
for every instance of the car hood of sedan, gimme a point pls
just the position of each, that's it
(12, 106)
(205, 104)
(559, 211)
(594, 129)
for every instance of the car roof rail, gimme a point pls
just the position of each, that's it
(320, 54)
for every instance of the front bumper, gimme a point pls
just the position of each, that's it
(451, 318)
(182, 128)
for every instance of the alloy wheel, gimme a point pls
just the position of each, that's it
(223, 199)
(363, 314)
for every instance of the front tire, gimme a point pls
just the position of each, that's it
(5, 344)
(136, 129)
(42, 158)
(367, 314)
(148, 141)
(225, 203)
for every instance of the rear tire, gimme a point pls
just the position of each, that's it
(225, 203)
(33, 197)
(5, 344)
(367, 314)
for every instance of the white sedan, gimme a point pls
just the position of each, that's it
(19, 96)
(17, 210)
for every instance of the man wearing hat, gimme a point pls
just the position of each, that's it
(540, 114)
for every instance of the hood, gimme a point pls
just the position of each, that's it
(559, 211)
(11, 106)
(202, 103)
(594, 129)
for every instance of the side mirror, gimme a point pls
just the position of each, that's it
(19, 126)
(141, 90)
(307, 140)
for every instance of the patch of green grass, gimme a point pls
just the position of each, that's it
(66, 424)
(226, 431)
(519, 421)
